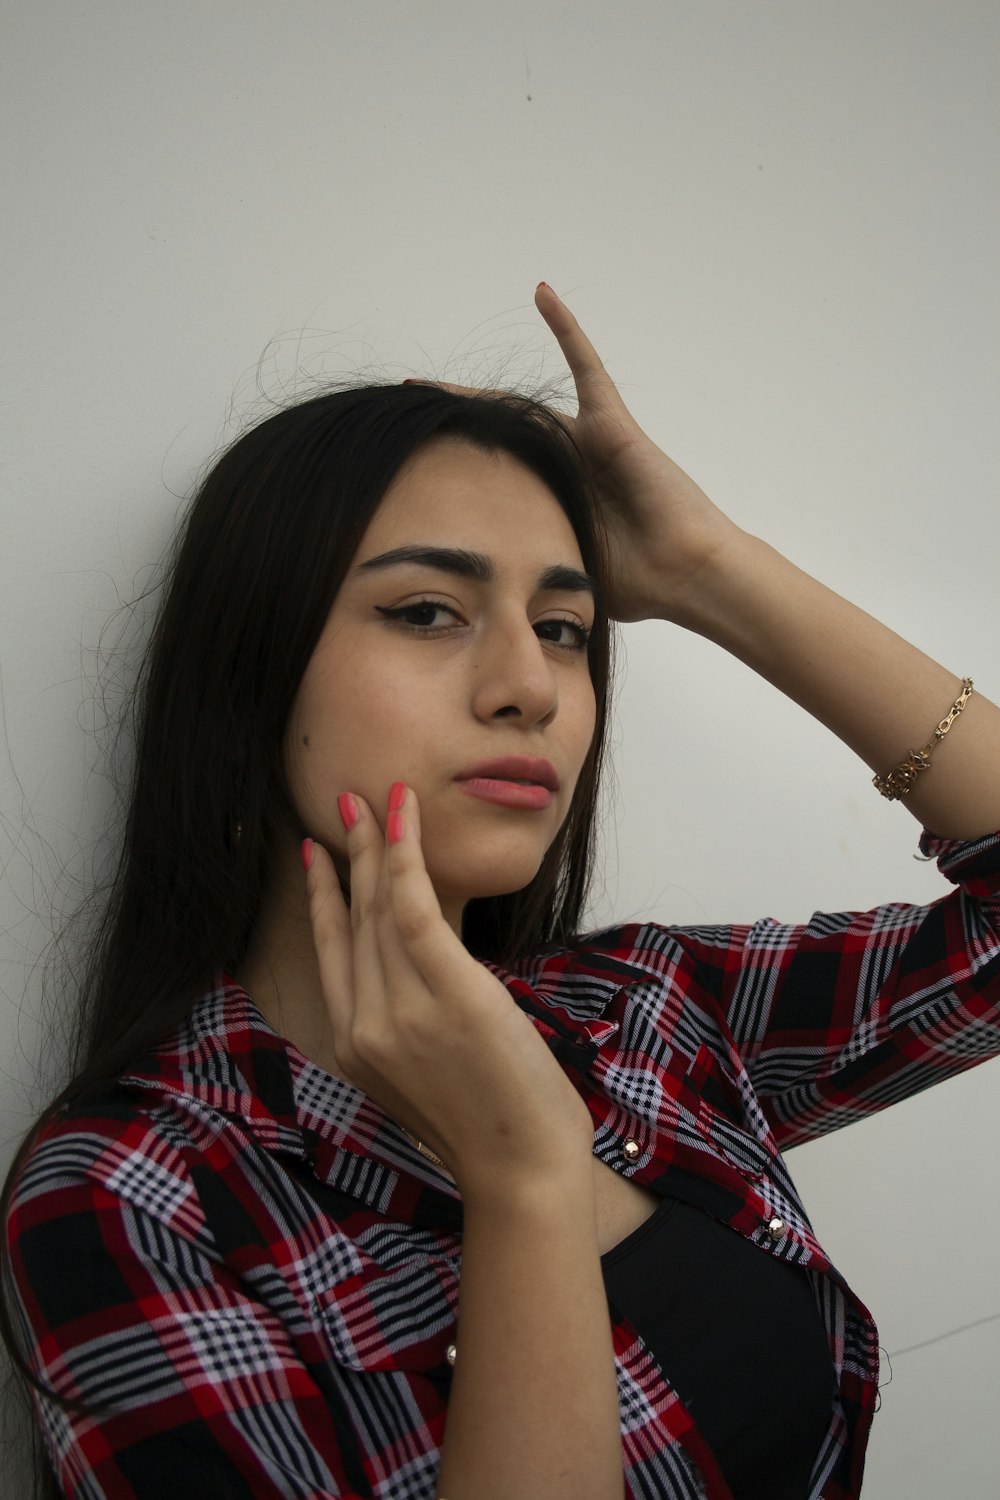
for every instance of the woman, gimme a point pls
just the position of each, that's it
(382, 1179)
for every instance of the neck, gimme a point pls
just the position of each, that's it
(280, 971)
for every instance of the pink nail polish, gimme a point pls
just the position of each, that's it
(307, 853)
(348, 810)
(394, 827)
(397, 796)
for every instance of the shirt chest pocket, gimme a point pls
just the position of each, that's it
(720, 1111)
(401, 1316)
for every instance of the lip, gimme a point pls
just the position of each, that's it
(513, 768)
(532, 798)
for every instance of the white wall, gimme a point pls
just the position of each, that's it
(778, 222)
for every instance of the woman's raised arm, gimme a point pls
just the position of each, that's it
(675, 556)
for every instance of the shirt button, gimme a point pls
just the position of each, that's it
(776, 1228)
(631, 1150)
(450, 1354)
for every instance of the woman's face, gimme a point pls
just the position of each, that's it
(472, 671)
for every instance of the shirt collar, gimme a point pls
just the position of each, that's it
(226, 1058)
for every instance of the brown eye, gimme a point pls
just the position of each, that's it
(422, 606)
(581, 635)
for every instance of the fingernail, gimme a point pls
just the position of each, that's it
(307, 853)
(394, 827)
(397, 796)
(348, 810)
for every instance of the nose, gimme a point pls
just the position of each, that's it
(514, 677)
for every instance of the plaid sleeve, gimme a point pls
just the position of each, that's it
(189, 1386)
(841, 1017)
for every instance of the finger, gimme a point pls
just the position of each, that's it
(397, 969)
(421, 940)
(593, 383)
(402, 826)
(365, 850)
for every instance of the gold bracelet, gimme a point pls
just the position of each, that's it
(899, 781)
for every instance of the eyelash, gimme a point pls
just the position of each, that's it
(581, 632)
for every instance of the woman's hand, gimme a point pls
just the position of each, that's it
(424, 1029)
(662, 529)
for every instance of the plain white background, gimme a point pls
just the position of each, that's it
(777, 221)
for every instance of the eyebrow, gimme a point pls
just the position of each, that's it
(482, 569)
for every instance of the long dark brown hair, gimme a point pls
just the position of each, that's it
(264, 547)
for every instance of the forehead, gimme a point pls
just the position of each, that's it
(450, 490)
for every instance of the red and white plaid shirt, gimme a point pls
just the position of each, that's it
(253, 1272)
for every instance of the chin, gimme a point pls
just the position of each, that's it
(501, 879)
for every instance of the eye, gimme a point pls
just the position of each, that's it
(580, 633)
(422, 607)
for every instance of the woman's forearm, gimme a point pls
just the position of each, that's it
(879, 694)
(533, 1411)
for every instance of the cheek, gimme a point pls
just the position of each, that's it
(355, 732)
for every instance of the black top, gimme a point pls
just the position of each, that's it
(739, 1336)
